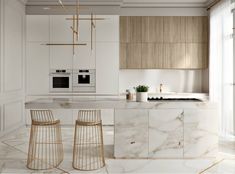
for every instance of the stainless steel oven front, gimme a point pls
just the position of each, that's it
(84, 80)
(60, 80)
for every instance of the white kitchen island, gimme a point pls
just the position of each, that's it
(164, 129)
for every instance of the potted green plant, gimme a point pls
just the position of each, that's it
(141, 93)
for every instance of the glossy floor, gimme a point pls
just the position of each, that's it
(13, 155)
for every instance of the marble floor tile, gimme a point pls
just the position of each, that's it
(14, 147)
(224, 167)
(19, 166)
(9, 152)
(158, 166)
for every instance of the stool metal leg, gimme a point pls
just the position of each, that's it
(88, 150)
(45, 145)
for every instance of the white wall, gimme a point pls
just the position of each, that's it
(12, 49)
(172, 80)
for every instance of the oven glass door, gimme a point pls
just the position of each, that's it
(84, 80)
(60, 82)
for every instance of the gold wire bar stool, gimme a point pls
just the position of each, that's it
(88, 149)
(45, 143)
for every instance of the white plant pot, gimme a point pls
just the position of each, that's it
(142, 96)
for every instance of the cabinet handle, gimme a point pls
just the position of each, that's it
(133, 142)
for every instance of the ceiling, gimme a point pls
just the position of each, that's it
(127, 3)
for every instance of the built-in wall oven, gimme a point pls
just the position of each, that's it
(84, 80)
(60, 80)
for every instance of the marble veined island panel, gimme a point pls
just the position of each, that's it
(131, 133)
(166, 133)
(200, 133)
(172, 133)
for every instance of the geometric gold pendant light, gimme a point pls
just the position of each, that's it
(75, 27)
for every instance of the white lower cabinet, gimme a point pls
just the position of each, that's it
(65, 116)
(166, 133)
(68, 117)
(107, 116)
(200, 133)
(131, 133)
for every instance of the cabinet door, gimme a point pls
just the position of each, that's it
(37, 28)
(152, 29)
(131, 133)
(174, 29)
(37, 61)
(107, 116)
(107, 30)
(197, 29)
(123, 25)
(64, 115)
(166, 133)
(200, 133)
(122, 56)
(133, 58)
(107, 68)
(135, 29)
(174, 55)
(131, 29)
(85, 29)
(60, 31)
(152, 55)
(196, 55)
(61, 57)
(84, 57)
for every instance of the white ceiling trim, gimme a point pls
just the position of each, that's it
(127, 3)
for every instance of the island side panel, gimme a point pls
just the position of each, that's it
(166, 133)
(131, 133)
(200, 133)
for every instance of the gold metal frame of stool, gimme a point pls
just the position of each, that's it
(45, 143)
(88, 150)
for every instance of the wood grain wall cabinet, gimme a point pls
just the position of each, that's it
(152, 29)
(133, 56)
(174, 29)
(152, 55)
(197, 29)
(166, 42)
(196, 55)
(131, 29)
(122, 53)
(174, 55)
(123, 28)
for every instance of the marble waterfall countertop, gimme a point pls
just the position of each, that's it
(109, 103)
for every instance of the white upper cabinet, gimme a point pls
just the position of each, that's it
(107, 68)
(37, 28)
(61, 57)
(37, 57)
(84, 57)
(60, 31)
(107, 30)
(85, 29)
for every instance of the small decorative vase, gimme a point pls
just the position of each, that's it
(142, 96)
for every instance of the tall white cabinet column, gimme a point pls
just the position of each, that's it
(12, 60)
(107, 55)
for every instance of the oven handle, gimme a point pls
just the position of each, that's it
(60, 74)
